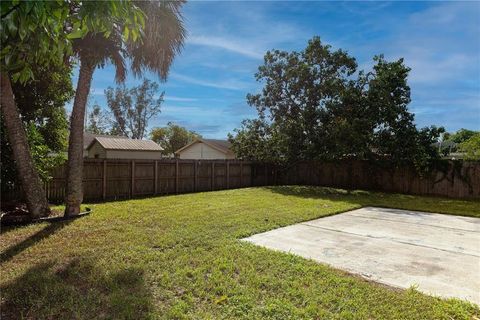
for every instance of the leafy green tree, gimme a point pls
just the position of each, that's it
(471, 147)
(256, 140)
(445, 136)
(462, 135)
(172, 137)
(120, 34)
(41, 104)
(97, 121)
(133, 108)
(298, 88)
(45, 159)
(42, 101)
(32, 34)
(313, 106)
(450, 141)
(394, 133)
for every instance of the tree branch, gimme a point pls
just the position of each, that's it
(15, 7)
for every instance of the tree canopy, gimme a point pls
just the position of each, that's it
(132, 108)
(471, 147)
(41, 104)
(450, 142)
(315, 104)
(97, 121)
(172, 137)
(462, 135)
(40, 33)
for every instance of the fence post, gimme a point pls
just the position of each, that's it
(241, 174)
(176, 175)
(265, 181)
(212, 180)
(104, 184)
(227, 172)
(275, 176)
(132, 184)
(155, 172)
(195, 175)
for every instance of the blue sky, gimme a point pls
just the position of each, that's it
(226, 41)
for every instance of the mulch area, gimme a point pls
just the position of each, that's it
(16, 213)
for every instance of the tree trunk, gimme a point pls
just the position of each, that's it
(74, 196)
(30, 180)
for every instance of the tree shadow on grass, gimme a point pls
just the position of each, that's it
(77, 290)
(317, 192)
(354, 197)
(46, 232)
(384, 200)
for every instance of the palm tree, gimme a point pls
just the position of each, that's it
(161, 41)
(93, 50)
(29, 179)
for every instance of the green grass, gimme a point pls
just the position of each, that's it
(178, 257)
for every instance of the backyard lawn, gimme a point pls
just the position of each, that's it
(179, 257)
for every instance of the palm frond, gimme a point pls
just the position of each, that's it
(163, 38)
(120, 69)
(98, 50)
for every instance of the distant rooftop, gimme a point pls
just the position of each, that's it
(225, 145)
(110, 143)
(89, 137)
(220, 145)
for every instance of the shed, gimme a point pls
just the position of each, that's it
(89, 137)
(121, 148)
(209, 149)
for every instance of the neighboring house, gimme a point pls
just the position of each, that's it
(206, 149)
(89, 137)
(111, 147)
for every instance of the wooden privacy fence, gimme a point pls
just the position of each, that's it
(454, 179)
(122, 179)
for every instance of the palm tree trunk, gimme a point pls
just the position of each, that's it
(30, 180)
(74, 196)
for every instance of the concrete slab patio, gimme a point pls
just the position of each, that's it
(438, 253)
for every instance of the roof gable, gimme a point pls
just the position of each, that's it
(220, 145)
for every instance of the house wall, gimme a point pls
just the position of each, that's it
(200, 150)
(131, 154)
(96, 148)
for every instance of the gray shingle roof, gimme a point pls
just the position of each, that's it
(110, 143)
(220, 145)
(224, 145)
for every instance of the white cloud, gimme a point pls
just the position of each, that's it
(180, 99)
(426, 69)
(450, 14)
(235, 46)
(230, 84)
(439, 43)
